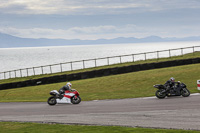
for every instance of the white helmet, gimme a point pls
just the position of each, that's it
(69, 84)
(172, 79)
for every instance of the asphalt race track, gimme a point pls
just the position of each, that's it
(172, 113)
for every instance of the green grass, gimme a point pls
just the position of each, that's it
(192, 55)
(16, 127)
(130, 85)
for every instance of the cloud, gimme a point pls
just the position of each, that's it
(93, 32)
(91, 7)
(102, 31)
(95, 19)
(27, 7)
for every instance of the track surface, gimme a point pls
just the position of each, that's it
(173, 112)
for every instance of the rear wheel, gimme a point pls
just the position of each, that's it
(76, 99)
(159, 94)
(185, 92)
(52, 101)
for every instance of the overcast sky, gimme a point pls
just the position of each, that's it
(97, 19)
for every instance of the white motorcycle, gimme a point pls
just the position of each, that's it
(68, 97)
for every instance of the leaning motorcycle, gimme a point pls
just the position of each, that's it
(180, 89)
(68, 97)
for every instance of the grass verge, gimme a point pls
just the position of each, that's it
(16, 127)
(130, 85)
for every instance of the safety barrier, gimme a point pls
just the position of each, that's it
(99, 73)
(82, 64)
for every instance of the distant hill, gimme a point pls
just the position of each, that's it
(7, 41)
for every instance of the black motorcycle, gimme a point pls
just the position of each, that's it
(179, 89)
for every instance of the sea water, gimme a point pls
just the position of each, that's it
(19, 58)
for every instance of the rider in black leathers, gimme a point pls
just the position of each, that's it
(65, 88)
(170, 84)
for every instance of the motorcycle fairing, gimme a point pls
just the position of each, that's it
(54, 92)
(69, 95)
(66, 98)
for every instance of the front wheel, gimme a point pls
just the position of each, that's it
(76, 99)
(185, 92)
(52, 101)
(159, 94)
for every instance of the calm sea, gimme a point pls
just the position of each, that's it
(18, 58)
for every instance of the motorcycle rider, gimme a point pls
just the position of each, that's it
(170, 84)
(66, 87)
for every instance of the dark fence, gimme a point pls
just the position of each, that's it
(82, 64)
(99, 73)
